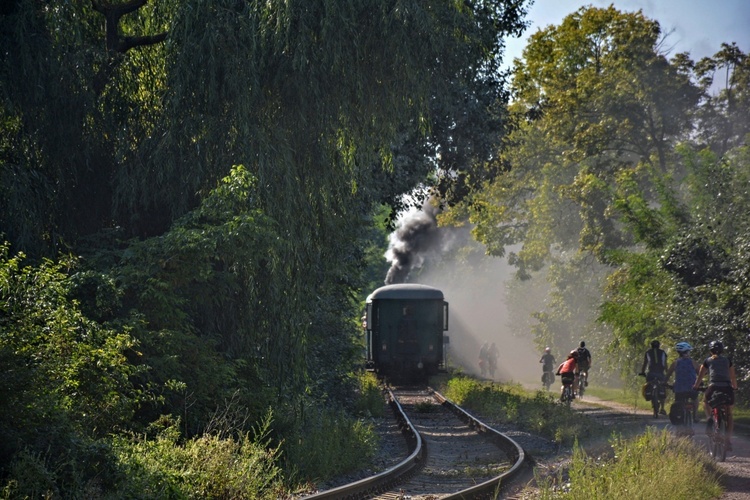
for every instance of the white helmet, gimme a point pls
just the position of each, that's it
(546, 349)
(683, 347)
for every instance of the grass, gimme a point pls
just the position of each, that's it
(655, 464)
(742, 416)
(534, 411)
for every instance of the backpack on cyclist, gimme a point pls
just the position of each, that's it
(719, 398)
(662, 392)
(646, 390)
(677, 413)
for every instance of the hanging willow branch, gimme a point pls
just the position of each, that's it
(113, 13)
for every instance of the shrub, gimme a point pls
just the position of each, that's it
(370, 400)
(208, 466)
(66, 380)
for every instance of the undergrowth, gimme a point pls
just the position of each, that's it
(231, 459)
(655, 464)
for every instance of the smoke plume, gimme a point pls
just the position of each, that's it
(417, 239)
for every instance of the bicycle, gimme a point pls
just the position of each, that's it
(689, 405)
(717, 446)
(658, 394)
(583, 382)
(548, 378)
(568, 395)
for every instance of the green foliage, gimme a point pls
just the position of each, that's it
(198, 293)
(206, 466)
(198, 282)
(655, 464)
(694, 286)
(724, 117)
(604, 189)
(66, 378)
(596, 112)
(71, 112)
(370, 400)
(327, 443)
(637, 293)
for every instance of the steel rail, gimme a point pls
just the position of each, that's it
(489, 488)
(389, 478)
(385, 480)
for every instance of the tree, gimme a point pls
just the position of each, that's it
(70, 113)
(587, 172)
(723, 117)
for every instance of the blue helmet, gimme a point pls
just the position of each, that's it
(683, 347)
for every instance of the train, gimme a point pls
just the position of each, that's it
(405, 327)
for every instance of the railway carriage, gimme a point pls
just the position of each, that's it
(405, 327)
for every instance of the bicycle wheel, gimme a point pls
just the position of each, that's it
(547, 379)
(723, 437)
(719, 450)
(655, 404)
(567, 395)
(688, 419)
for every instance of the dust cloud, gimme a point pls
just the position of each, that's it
(475, 286)
(479, 313)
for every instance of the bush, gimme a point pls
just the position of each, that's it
(65, 380)
(371, 400)
(208, 466)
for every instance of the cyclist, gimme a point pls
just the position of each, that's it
(548, 366)
(685, 371)
(584, 363)
(655, 360)
(721, 379)
(567, 372)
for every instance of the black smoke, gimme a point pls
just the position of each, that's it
(417, 240)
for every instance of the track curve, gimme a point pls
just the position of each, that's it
(452, 454)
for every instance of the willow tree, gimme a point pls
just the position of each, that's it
(313, 98)
(71, 110)
(331, 107)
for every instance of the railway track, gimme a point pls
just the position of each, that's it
(451, 454)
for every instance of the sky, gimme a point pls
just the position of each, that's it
(695, 26)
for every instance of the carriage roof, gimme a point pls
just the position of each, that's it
(406, 291)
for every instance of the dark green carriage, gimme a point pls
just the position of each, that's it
(405, 325)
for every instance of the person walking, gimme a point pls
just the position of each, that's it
(484, 358)
(721, 379)
(492, 355)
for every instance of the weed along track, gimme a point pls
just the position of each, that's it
(451, 454)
